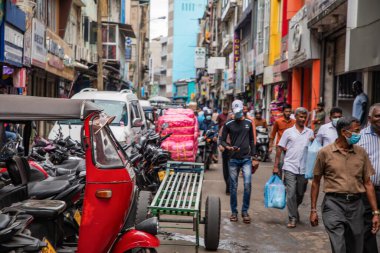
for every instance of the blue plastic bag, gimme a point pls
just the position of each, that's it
(274, 193)
(312, 152)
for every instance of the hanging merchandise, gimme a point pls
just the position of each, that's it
(279, 96)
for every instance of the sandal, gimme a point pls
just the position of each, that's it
(246, 218)
(233, 218)
(292, 224)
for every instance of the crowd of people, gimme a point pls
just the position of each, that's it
(348, 162)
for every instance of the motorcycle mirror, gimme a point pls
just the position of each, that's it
(165, 126)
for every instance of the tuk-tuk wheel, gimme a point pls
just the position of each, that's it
(212, 223)
(142, 251)
(144, 200)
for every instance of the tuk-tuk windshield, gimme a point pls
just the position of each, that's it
(114, 108)
(105, 151)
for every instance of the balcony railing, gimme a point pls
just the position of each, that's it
(227, 9)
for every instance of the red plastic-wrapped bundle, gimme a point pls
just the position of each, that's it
(183, 126)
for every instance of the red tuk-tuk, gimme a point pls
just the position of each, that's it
(110, 180)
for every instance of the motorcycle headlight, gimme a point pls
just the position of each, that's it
(150, 226)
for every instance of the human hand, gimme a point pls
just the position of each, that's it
(229, 148)
(270, 150)
(311, 139)
(313, 218)
(221, 148)
(375, 224)
(275, 170)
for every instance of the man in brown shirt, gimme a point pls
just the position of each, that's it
(259, 121)
(281, 125)
(346, 170)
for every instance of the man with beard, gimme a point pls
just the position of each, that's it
(370, 141)
(293, 141)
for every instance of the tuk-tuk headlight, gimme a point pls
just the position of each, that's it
(150, 226)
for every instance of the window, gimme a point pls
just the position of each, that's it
(46, 11)
(109, 37)
(135, 112)
(104, 148)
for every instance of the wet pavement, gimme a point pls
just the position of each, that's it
(267, 231)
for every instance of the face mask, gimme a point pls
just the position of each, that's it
(208, 117)
(353, 139)
(238, 115)
(335, 121)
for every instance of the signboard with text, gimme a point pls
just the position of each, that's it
(39, 51)
(200, 58)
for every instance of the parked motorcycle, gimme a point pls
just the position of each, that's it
(206, 145)
(262, 144)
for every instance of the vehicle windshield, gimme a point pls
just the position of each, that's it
(114, 108)
(71, 122)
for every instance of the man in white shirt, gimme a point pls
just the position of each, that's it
(294, 141)
(327, 133)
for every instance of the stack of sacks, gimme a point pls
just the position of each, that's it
(183, 143)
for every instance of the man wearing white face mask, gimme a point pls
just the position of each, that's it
(327, 133)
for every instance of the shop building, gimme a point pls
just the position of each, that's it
(12, 30)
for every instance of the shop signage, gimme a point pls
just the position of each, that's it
(303, 45)
(59, 56)
(19, 78)
(14, 42)
(39, 51)
(200, 57)
(236, 50)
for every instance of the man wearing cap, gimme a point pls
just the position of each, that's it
(242, 149)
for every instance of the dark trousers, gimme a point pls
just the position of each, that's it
(370, 244)
(226, 173)
(296, 185)
(344, 223)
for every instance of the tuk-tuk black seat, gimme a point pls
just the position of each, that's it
(45, 189)
(41, 208)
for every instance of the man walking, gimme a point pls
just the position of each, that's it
(346, 170)
(222, 118)
(370, 141)
(242, 148)
(294, 140)
(327, 134)
(280, 125)
(359, 107)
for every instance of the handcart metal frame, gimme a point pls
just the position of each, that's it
(180, 194)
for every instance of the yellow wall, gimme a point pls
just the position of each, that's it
(275, 31)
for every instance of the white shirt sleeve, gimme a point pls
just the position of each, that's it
(284, 139)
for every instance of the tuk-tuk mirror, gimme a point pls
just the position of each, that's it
(137, 122)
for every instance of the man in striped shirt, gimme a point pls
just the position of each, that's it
(370, 141)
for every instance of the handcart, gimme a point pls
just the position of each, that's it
(180, 194)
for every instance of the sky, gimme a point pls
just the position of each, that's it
(158, 8)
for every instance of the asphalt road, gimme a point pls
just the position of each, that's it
(267, 232)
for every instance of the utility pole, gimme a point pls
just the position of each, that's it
(99, 44)
(139, 14)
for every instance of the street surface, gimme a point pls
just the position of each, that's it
(267, 231)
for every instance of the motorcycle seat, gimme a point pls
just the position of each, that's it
(4, 221)
(65, 177)
(45, 189)
(42, 208)
(73, 165)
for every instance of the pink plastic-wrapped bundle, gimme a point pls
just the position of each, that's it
(175, 121)
(186, 130)
(187, 112)
(171, 145)
(182, 157)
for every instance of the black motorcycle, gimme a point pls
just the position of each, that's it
(206, 146)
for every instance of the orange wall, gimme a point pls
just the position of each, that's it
(296, 88)
(315, 83)
(293, 7)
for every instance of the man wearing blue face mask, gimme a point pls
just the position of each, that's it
(346, 169)
(242, 148)
(327, 133)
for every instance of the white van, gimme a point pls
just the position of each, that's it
(128, 124)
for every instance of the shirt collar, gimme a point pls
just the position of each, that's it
(284, 120)
(335, 148)
(295, 129)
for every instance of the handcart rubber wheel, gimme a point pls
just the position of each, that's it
(212, 223)
(144, 200)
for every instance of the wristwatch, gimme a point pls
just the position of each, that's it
(376, 212)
